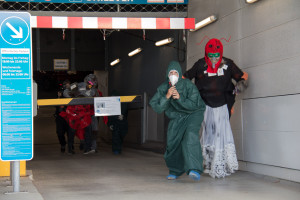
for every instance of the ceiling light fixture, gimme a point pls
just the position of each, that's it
(164, 42)
(204, 22)
(138, 50)
(251, 1)
(115, 62)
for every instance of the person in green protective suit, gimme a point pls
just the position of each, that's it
(181, 101)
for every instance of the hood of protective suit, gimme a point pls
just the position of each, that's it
(213, 46)
(174, 65)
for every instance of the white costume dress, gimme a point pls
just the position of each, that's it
(217, 142)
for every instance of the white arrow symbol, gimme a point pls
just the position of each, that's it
(19, 34)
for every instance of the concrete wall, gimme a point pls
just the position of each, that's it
(264, 43)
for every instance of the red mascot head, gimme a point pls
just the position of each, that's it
(213, 55)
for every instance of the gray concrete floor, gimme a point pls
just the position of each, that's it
(140, 175)
(133, 175)
(27, 190)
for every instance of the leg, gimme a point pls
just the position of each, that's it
(191, 147)
(116, 140)
(60, 130)
(94, 132)
(173, 155)
(71, 135)
(94, 140)
(88, 139)
(208, 138)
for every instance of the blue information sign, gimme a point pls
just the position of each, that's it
(16, 87)
(108, 1)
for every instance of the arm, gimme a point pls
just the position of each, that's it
(192, 73)
(192, 101)
(236, 73)
(159, 101)
(240, 77)
(245, 76)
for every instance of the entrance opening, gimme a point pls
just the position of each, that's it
(89, 51)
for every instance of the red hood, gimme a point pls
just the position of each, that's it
(213, 46)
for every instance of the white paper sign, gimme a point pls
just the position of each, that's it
(107, 106)
(61, 64)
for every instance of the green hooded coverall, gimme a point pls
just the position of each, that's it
(183, 152)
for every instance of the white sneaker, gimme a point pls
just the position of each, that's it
(90, 151)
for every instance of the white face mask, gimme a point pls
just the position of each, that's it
(173, 79)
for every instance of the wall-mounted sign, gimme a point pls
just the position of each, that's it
(108, 1)
(61, 64)
(16, 128)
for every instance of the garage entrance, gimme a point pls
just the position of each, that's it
(91, 49)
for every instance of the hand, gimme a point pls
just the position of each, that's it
(245, 76)
(175, 94)
(170, 92)
(120, 117)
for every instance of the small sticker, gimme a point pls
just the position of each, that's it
(212, 74)
(220, 72)
(225, 67)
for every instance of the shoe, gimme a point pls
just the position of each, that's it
(206, 171)
(89, 151)
(171, 177)
(62, 149)
(194, 175)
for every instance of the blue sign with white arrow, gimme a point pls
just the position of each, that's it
(16, 87)
(14, 30)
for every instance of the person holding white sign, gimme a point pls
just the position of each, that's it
(118, 124)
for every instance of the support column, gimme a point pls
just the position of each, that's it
(73, 65)
(106, 54)
(38, 50)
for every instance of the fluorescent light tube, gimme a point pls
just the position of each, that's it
(115, 62)
(138, 50)
(251, 1)
(204, 22)
(164, 42)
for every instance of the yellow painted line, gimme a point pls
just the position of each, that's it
(49, 102)
(127, 98)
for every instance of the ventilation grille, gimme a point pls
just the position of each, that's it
(75, 7)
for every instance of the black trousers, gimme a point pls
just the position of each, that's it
(87, 138)
(62, 128)
(118, 135)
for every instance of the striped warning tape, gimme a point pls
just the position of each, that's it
(111, 22)
(84, 101)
